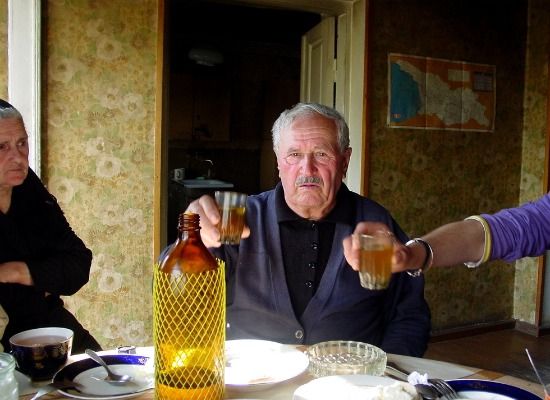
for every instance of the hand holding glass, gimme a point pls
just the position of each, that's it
(232, 207)
(375, 260)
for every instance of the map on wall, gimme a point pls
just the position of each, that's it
(431, 93)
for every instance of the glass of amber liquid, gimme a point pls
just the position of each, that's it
(375, 260)
(232, 207)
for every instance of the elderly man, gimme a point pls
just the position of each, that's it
(288, 280)
(41, 258)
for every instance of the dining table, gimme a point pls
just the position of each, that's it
(284, 390)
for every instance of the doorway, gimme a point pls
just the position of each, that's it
(232, 70)
(351, 17)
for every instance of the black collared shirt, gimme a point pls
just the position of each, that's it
(307, 245)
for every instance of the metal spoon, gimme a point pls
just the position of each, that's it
(112, 378)
(537, 373)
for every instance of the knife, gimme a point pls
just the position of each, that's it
(393, 370)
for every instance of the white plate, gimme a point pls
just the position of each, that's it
(91, 377)
(257, 364)
(24, 383)
(338, 386)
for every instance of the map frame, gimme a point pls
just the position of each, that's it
(440, 94)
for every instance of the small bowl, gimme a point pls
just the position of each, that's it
(346, 358)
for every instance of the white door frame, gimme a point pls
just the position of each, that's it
(24, 69)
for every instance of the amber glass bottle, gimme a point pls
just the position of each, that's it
(189, 319)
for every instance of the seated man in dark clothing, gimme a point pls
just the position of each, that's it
(41, 258)
(288, 279)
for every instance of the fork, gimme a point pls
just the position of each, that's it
(446, 391)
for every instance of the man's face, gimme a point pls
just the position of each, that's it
(14, 153)
(311, 165)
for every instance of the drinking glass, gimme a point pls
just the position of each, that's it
(232, 207)
(375, 260)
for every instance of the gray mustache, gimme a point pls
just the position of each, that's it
(308, 179)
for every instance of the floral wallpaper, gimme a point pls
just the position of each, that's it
(4, 49)
(533, 146)
(98, 141)
(429, 177)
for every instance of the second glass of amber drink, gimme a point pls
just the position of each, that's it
(375, 263)
(232, 206)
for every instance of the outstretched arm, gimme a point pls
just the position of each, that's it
(452, 244)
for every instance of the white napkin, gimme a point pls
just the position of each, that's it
(416, 378)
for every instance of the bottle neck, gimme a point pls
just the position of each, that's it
(188, 225)
(188, 254)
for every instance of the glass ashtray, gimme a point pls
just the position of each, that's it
(346, 358)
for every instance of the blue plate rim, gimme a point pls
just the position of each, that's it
(492, 387)
(70, 371)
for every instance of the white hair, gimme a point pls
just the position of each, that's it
(287, 117)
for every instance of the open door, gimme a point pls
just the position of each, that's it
(318, 75)
(348, 18)
(333, 73)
